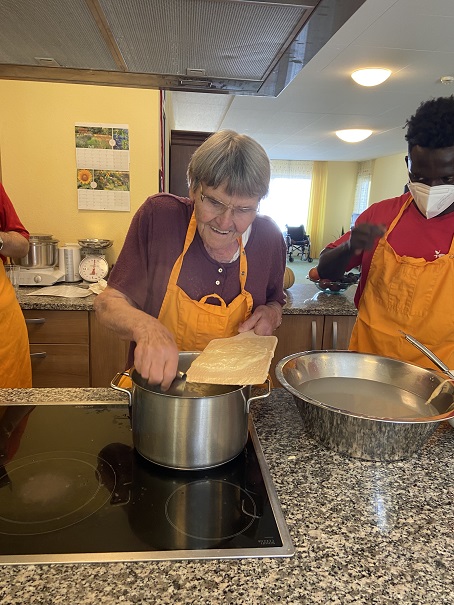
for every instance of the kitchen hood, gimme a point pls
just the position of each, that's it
(249, 47)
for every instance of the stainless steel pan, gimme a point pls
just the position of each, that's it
(365, 406)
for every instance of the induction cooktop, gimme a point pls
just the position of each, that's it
(74, 489)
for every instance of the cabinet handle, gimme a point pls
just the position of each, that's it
(42, 355)
(314, 335)
(334, 334)
(38, 320)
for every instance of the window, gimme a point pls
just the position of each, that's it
(287, 202)
(363, 180)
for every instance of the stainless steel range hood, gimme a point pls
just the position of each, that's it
(253, 47)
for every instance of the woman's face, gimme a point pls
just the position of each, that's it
(221, 218)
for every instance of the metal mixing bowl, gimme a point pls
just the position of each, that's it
(365, 406)
(42, 253)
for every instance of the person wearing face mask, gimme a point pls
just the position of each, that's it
(198, 268)
(405, 249)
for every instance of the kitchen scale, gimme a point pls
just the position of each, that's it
(93, 265)
(74, 489)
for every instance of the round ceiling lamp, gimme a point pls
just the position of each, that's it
(353, 135)
(371, 77)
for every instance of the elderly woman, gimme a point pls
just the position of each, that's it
(193, 269)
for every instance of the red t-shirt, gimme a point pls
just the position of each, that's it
(9, 221)
(414, 235)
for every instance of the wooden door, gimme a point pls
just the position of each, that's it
(182, 146)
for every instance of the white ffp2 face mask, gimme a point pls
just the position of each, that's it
(432, 201)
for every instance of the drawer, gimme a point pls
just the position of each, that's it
(57, 326)
(56, 365)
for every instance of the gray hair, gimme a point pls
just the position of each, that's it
(232, 160)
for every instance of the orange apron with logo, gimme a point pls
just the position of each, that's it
(194, 323)
(15, 364)
(408, 294)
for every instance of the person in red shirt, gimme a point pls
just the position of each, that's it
(15, 365)
(405, 249)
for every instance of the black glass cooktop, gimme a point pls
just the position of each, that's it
(72, 488)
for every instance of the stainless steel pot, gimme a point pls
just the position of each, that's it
(42, 253)
(365, 406)
(204, 427)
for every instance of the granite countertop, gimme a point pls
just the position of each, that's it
(52, 303)
(307, 299)
(365, 532)
(302, 299)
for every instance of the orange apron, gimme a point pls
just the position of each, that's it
(408, 294)
(194, 323)
(15, 364)
(13, 420)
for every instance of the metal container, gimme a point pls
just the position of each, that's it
(365, 406)
(42, 253)
(204, 427)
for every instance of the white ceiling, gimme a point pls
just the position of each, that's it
(414, 38)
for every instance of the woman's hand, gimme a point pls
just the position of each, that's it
(156, 353)
(264, 320)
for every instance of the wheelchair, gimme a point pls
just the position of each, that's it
(298, 243)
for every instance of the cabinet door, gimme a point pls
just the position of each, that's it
(296, 334)
(59, 348)
(108, 354)
(60, 366)
(337, 331)
(57, 326)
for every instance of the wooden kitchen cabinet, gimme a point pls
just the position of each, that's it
(70, 349)
(108, 354)
(59, 348)
(296, 333)
(299, 333)
(337, 331)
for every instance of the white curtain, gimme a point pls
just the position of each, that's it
(291, 169)
(288, 199)
(363, 180)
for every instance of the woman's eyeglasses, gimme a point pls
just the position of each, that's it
(218, 208)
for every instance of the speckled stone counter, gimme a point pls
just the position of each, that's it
(307, 299)
(302, 299)
(364, 532)
(52, 303)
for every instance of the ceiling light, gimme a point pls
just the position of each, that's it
(353, 135)
(371, 77)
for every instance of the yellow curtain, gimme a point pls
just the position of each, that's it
(317, 205)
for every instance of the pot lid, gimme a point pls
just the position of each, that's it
(39, 237)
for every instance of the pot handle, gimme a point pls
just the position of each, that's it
(114, 384)
(268, 383)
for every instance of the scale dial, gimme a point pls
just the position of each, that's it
(92, 268)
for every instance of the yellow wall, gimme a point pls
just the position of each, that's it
(340, 195)
(389, 178)
(38, 165)
(37, 159)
